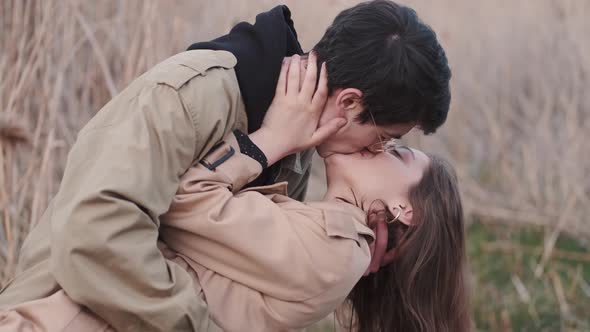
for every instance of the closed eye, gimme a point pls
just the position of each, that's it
(397, 154)
(394, 150)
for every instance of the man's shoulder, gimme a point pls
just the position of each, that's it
(180, 68)
(203, 60)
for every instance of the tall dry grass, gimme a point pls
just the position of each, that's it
(520, 122)
(518, 131)
(60, 61)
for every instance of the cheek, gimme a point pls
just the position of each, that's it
(396, 178)
(366, 139)
(363, 138)
(408, 179)
(352, 139)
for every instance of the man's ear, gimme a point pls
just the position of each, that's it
(348, 100)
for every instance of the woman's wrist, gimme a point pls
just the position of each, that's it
(250, 149)
(267, 142)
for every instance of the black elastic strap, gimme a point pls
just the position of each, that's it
(250, 149)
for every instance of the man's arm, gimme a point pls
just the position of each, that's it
(122, 174)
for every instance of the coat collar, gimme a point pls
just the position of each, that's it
(339, 223)
(337, 215)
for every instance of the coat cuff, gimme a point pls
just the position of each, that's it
(226, 158)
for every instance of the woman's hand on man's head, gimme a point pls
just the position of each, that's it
(291, 123)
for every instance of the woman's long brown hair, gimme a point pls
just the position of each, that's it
(424, 288)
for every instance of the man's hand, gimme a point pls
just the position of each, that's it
(291, 123)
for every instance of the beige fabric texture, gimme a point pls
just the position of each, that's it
(97, 240)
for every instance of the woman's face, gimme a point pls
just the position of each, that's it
(386, 176)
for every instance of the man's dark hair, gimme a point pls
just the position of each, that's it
(387, 52)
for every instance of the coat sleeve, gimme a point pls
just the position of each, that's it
(271, 247)
(121, 175)
(236, 307)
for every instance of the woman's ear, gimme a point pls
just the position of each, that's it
(406, 213)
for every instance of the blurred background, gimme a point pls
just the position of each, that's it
(518, 132)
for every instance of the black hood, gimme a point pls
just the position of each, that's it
(260, 49)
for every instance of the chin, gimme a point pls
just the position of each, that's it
(326, 154)
(326, 151)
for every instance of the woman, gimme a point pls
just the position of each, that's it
(278, 263)
(265, 262)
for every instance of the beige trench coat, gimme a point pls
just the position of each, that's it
(98, 238)
(259, 259)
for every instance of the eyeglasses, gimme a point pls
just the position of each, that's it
(382, 145)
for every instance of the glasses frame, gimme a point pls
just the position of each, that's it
(384, 144)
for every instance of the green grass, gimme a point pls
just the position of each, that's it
(499, 256)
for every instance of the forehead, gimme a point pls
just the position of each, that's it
(420, 159)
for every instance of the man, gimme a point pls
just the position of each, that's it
(97, 240)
